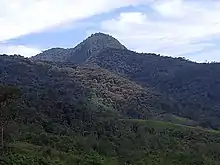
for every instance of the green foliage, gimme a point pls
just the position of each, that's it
(84, 115)
(127, 142)
(7, 111)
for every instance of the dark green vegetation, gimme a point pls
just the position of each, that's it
(194, 87)
(101, 104)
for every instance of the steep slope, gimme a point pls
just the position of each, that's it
(89, 47)
(195, 87)
(94, 45)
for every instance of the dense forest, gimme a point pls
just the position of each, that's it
(195, 87)
(102, 104)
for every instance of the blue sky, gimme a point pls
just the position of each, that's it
(186, 28)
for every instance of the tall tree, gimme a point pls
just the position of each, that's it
(8, 94)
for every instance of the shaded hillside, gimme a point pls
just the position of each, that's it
(194, 86)
(103, 89)
(91, 46)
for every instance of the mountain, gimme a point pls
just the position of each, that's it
(67, 114)
(102, 104)
(83, 51)
(192, 87)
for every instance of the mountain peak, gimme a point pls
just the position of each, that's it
(100, 34)
(102, 41)
(91, 46)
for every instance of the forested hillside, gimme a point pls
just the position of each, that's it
(102, 104)
(69, 84)
(195, 87)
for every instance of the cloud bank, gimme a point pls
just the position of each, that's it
(20, 17)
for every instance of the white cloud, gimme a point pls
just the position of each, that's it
(134, 17)
(21, 17)
(179, 28)
(170, 8)
(18, 49)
